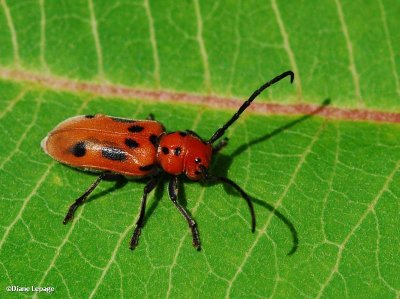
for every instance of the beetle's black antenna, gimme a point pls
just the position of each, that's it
(246, 104)
(246, 197)
(210, 178)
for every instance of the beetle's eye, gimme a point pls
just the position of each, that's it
(197, 160)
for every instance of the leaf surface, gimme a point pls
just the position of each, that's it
(336, 181)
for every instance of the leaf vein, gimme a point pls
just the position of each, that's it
(377, 261)
(153, 41)
(264, 228)
(25, 203)
(342, 246)
(349, 45)
(16, 149)
(43, 36)
(14, 39)
(288, 48)
(96, 39)
(390, 47)
(203, 51)
(12, 103)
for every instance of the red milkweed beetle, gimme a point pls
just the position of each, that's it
(141, 148)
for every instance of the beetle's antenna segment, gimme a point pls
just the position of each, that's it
(245, 196)
(210, 178)
(246, 104)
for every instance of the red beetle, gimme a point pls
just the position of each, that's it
(142, 148)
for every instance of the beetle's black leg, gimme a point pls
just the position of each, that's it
(173, 195)
(150, 117)
(220, 145)
(81, 199)
(139, 223)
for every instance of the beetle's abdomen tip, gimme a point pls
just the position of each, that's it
(43, 144)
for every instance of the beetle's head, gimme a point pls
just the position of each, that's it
(184, 152)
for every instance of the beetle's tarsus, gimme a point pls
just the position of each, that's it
(140, 222)
(70, 214)
(196, 238)
(67, 219)
(135, 238)
(150, 116)
(197, 246)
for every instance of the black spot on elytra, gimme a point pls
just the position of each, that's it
(177, 151)
(79, 149)
(197, 160)
(135, 129)
(131, 143)
(113, 153)
(154, 140)
(122, 120)
(165, 150)
(147, 167)
(183, 134)
(89, 116)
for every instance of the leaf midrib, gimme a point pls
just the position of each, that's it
(107, 90)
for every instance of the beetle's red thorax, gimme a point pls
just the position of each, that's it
(182, 152)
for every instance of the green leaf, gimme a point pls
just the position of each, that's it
(335, 180)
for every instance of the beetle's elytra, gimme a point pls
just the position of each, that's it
(142, 148)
